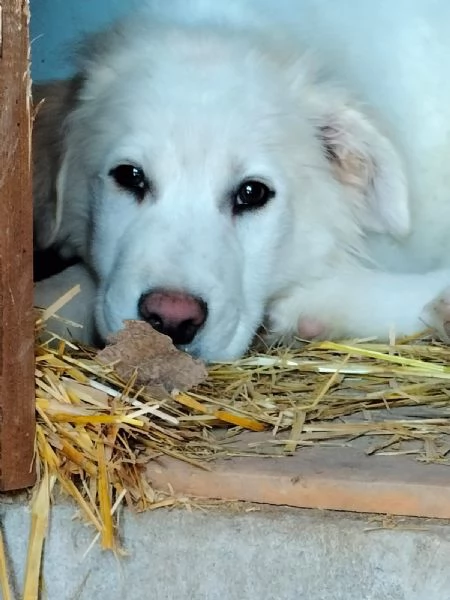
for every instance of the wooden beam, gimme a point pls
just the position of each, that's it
(17, 395)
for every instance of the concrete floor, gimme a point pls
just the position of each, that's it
(236, 553)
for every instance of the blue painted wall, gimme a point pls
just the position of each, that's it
(56, 24)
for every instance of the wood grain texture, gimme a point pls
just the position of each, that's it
(17, 395)
(319, 477)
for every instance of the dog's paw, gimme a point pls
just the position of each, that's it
(436, 315)
(286, 319)
(311, 329)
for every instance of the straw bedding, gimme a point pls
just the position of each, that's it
(96, 429)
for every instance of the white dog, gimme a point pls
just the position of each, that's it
(213, 179)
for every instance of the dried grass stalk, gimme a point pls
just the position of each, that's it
(40, 509)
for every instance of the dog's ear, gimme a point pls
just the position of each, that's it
(362, 158)
(52, 102)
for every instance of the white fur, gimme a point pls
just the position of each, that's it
(74, 319)
(203, 97)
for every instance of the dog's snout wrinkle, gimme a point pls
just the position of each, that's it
(176, 314)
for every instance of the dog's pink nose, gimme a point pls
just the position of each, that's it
(176, 314)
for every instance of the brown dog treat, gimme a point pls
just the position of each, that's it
(138, 348)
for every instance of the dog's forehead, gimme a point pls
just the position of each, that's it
(212, 111)
(197, 103)
(201, 70)
(195, 121)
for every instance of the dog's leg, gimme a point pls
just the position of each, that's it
(78, 311)
(362, 304)
(437, 315)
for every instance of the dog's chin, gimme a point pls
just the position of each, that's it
(214, 352)
(105, 328)
(224, 344)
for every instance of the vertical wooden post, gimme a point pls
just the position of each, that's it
(17, 396)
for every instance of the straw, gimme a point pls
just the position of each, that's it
(96, 432)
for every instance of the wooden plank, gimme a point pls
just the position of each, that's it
(338, 478)
(17, 425)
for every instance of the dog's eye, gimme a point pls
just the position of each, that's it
(132, 179)
(251, 195)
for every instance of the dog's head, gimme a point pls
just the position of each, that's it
(206, 171)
